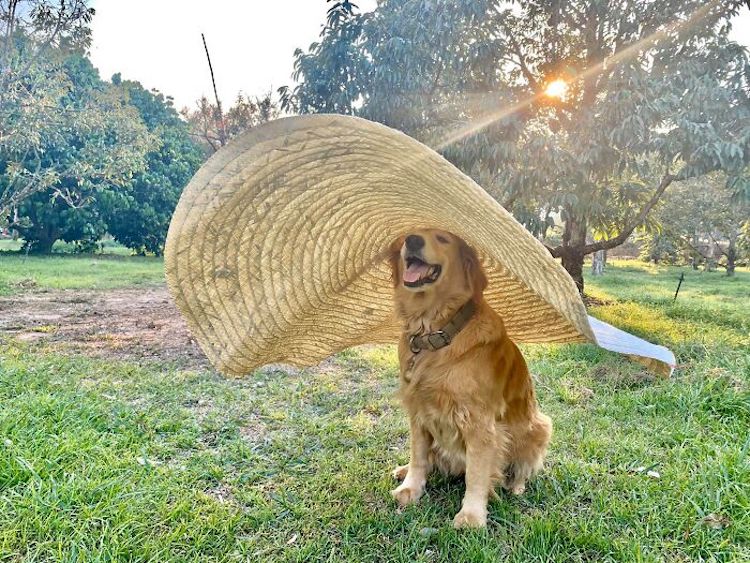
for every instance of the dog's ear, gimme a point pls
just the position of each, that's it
(473, 271)
(394, 259)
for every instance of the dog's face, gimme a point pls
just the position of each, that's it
(434, 263)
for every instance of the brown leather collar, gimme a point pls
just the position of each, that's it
(441, 338)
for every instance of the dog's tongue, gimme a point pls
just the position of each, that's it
(415, 272)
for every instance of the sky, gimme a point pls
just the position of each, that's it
(251, 42)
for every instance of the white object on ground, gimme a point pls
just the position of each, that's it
(654, 357)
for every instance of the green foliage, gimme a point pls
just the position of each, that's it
(136, 208)
(138, 214)
(699, 221)
(744, 238)
(99, 145)
(61, 128)
(656, 92)
(657, 247)
(80, 156)
(45, 218)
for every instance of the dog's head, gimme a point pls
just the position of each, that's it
(436, 264)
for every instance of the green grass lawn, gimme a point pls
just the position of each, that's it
(89, 271)
(118, 461)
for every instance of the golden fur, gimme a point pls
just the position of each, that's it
(471, 405)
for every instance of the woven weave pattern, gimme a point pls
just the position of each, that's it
(276, 251)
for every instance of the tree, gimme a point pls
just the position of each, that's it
(647, 92)
(138, 213)
(61, 128)
(98, 141)
(213, 128)
(45, 219)
(698, 221)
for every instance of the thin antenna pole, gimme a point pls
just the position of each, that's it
(222, 131)
(682, 277)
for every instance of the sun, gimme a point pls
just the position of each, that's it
(556, 89)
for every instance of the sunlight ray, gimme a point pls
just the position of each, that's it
(476, 125)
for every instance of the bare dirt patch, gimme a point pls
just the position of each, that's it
(140, 323)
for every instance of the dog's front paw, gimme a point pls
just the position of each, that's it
(405, 494)
(518, 488)
(515, 486)
(470, 518)
(400, 472)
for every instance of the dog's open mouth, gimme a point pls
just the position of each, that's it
(419, 273)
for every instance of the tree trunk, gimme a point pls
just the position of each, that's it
(574, 247)
(43, 240)
(694, 258)
(709, 256)
(732, 254)
(597, 262)
(43, 245)
(572, 261)
(574, 250)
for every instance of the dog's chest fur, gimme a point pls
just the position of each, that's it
(453, 390)
(469, 386)
(430, 393)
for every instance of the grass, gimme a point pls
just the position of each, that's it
(20, 273)
(106, 245)
(117, 461)
(8, 245)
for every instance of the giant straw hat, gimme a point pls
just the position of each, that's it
(276, 251)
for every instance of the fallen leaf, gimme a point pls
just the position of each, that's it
(716, 521)
(292, 539)
(147, 462)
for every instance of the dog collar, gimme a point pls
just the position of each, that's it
(441, 338)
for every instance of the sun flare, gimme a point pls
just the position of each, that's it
(556, 89)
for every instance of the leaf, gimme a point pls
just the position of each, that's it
(716, 521)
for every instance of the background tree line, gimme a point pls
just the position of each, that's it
(699, 223)
(81, 157)
(651, 136)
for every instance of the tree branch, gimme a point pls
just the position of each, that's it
(510, 200)
(697, 250)
(522, 61)
(716, 244)
(627, 231)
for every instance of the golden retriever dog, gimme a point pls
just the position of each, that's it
(465, 385)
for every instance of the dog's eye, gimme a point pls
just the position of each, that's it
(442, 239)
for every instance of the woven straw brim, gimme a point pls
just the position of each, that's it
(276, 251)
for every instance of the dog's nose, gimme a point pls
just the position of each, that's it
(414, 242)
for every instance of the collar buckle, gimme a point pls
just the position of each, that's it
(443, 337)
(438, 339)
